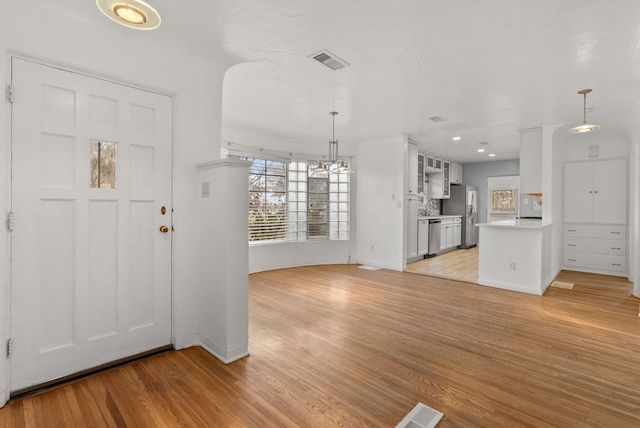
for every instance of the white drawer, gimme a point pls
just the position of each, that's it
(595, 261)
(457, 220)
(601, 231)
(600, 246)
(446, 221)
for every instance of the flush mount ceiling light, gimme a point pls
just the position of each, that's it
(130, 13)
(457, 138)
(585, 127)
(334, 164)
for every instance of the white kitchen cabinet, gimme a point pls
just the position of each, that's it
(423, 237)
(455, 173)
(598, 248)
(446, 179)
(596, 191)
(412, 227)
(531, 160)
(450, 233)
(434, 164)
(457, 232)
(421, 188)
(435, 185)
(412, 154)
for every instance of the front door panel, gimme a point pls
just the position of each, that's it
(91, 271)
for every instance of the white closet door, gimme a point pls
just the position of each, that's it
(578, 192)
(610, 191)
(91, 271)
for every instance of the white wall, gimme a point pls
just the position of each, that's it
(146, 60)
(304, 253)
(380, 199)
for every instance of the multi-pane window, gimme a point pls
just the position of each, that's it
(318, 203)
(339, 206)
(267, 200)
(294, 202)
(297, 201)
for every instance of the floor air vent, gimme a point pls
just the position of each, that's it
(422, 416)
(330, 60)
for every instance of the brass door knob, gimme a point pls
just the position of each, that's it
(164, 229)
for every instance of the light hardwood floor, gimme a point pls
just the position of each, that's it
(342, 346)
(460, 265)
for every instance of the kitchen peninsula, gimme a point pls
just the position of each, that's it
(514, 255)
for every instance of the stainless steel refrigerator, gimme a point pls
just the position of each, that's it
(463, 201)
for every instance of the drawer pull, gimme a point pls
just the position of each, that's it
(616, 248)
(571, 230)
(616, 264)
(615, 233)
(572, 260)
(572, 245)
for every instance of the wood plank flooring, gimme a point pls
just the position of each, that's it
(459, 265)
(338, 346)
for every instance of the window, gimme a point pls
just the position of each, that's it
(291, 201)
(504, 201)
(267, 200)
(102, 164)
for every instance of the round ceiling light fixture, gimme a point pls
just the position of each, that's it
(585, 127)
(457, 138)
(130, 13)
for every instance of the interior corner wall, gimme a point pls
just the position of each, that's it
(634, 220)
(553, 167)
(195, 80)
(5, 180)
(380, 200)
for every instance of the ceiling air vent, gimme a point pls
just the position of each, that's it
(330, 60)
(438, 118)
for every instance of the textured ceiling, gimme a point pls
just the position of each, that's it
(490, 67)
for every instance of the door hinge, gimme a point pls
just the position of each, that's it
(9, 347)
(10, 222)
(11, 92)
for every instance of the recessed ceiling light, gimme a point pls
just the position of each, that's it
(457, 138)
(130, 13)
(491, 155)
(480, 150)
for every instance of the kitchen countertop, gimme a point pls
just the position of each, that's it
(423, 217)
(516, 223)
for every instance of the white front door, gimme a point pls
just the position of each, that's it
(91, 270)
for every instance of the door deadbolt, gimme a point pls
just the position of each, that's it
(163, 210)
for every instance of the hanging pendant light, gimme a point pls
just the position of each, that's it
(585, 127)
(334, 164)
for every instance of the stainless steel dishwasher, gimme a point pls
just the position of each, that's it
(434, 237)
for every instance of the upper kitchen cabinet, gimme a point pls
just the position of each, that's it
(412, 153)
(446, 179)
(531, 160)
(455, 173)
(420, 173)
(596, 191)
(434, 164)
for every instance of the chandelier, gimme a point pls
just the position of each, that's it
(334, 164)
